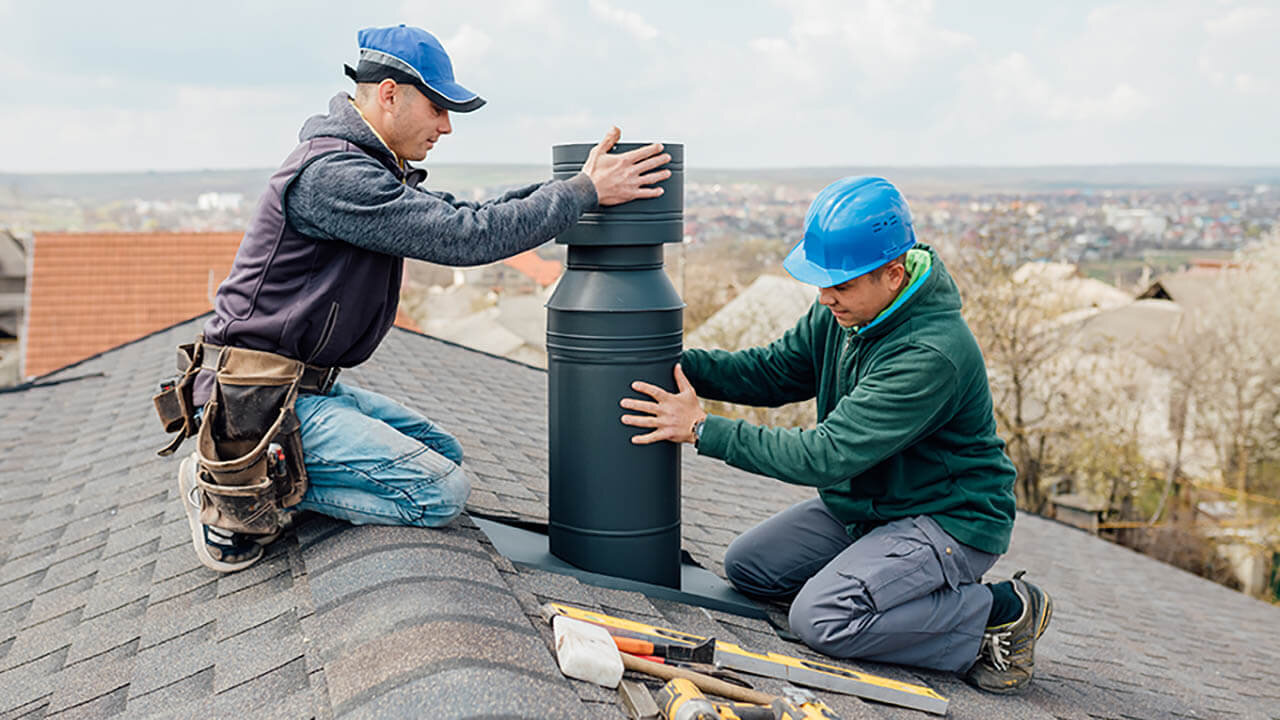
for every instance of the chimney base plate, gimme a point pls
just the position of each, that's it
(698, 586)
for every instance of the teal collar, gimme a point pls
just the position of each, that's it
(920, 264)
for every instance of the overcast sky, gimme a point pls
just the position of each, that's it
(104, 86)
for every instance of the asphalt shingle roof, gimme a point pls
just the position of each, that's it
(105, 611)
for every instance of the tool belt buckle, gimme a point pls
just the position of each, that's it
(330, 377)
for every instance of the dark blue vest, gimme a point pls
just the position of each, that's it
(325, 302)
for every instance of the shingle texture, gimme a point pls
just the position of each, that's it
(104, 610)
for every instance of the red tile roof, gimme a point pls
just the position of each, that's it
(93, 291)
(543, 272)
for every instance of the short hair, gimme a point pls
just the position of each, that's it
(900, 260)
(365, 92)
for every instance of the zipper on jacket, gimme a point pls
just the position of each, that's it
(329, 324)
(843, 376)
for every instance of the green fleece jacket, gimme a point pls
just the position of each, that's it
(905, 425)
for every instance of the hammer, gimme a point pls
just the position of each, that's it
(587, 652)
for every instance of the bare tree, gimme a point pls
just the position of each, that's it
(763, 313)
(713, 274)
(1236, 391)
(1012, 321)
(1102, 445)
(1069, 404)
(1184, 368)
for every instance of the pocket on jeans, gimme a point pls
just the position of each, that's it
(908, 570)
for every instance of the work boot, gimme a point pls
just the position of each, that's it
(218, 549)
(1007, 657)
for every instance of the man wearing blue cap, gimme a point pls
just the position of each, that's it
(314, 289)
(915, 494)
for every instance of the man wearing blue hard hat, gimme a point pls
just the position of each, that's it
(915, 494)
(314, 289)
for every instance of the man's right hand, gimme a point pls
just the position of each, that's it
(622, 177)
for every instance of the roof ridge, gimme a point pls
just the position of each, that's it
(132, 233)
(41, 380)
(37, 381)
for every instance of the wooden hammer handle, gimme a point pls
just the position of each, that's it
(705, 683)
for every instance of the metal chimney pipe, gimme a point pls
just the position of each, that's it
(614, 318)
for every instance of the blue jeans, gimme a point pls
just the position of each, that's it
(371, 460)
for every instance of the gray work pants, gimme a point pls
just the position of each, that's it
(906, 592)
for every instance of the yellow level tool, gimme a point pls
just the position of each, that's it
(809, 673)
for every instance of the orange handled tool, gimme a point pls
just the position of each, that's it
(703, 652)
(634, 646)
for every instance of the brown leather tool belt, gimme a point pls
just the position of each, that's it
(248, 438)
(315, 379)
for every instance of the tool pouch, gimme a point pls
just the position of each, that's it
(248, 446)
(173, 403)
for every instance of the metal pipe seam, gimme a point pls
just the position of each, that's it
(617, 533)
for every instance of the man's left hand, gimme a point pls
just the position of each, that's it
(671, 415)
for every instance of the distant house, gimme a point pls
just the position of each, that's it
(760, 314)
(527, 272)
(524, 273)
(764, 310)
(219, 202)
(1193, 289)
(1077, 292)
(1079, 510)
(94, 291)
(512, 325)
(13, 284)
(540, 271)
(1133, 345)
(1145, 327)
(497, 308)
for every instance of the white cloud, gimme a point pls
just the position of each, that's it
(483, 17)
(782, 57)
(522, 11)
(1016, 85)
(801, 82)
(1250, 84)
(1240, 52)
(630, 21)
(201, 127)
(468, 45)
(881, 41)
(559, 125)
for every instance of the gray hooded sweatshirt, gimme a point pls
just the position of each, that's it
(317, 276)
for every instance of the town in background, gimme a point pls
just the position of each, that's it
(1128, 316)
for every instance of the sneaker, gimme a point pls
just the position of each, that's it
(218, 549)
(1006, 659)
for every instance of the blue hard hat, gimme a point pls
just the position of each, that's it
(855, 225)
(415, 57)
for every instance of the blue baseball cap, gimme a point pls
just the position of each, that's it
(414, 57)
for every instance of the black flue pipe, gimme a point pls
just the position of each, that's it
(614, 318)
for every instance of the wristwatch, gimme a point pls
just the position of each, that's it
(697, 431)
